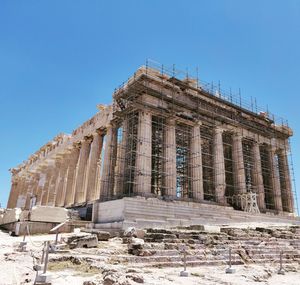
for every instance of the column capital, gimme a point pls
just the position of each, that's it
(171, 120)
(238, 133)
(76, 145)
(198, 123)
(111, 125)
(87, 140)
(218, 130)
(97, 132)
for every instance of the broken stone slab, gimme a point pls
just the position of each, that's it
(82, 240)
(49, 214)
(136, 278)
(136, 246)
(134, 232)
(212, 229)
(12, 216)
(129, 232)
(90, 283)
(101, 235)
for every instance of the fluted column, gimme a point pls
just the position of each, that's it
(107, 177)
(81, 171)
(95, 153)
(98, 178)
(238, 164)
(121, 161)
(24, 190)
(275, 180)
(13, 195)
(143, 154)
(21, 186)
(60, 185)
(30, 191)
(219, 166)
(71, 175)
(41, 184)
(257, 176)
(35, 190)
(49, 173)
(170, 161)
(53, 183)
(196, 163)
(287, 179)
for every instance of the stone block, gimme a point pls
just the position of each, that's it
(212, 229)
(11, 216)
(82, 240)
(101, 235)
(49, 214)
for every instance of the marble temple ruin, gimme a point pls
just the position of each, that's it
(167, 137)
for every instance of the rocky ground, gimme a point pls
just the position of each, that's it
(101, 264)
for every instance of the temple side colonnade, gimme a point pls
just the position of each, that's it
(147, 144)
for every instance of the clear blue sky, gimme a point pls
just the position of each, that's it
(58, 59)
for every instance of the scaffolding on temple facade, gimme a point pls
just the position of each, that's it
(135, 133)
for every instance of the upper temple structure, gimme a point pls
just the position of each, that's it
(166, 139)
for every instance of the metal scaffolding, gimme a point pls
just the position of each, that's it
(165, 86)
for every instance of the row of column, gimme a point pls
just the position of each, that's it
(143, 165)
(78, 176)
(73, 178)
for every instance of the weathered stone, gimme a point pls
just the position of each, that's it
(11, 215)
(101, 235)
(89, 283)
(129, 232)
(136, 246)
(136, 278)
(49, 214)
(82, 240)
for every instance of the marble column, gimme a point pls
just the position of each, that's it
(287, 179)
(41, 184)
(30, 191)
(53, 183)
(257, 176)
(275, 179)
(196, 163)
(95, 153)
(49, 173)
(238, 164)
(21, 195)
(61, 182)
(109, 161)
(81, 171)
(13, 195)
(24, 188)
(219, 166)
(170, 161)
(143, 167)
(98, 178)
(36, 179)
(121, 161)
(71, 175)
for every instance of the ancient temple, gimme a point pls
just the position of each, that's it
(165, 137)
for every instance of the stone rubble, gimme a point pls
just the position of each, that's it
(156, 258)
